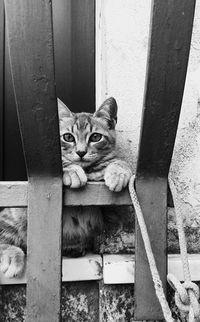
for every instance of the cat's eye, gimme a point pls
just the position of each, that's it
(95, 137)
(68, 137)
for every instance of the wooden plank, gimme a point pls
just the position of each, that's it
(91, 269)
(15, 194)
(152, 194)
(120, 269)
(165, 80)
(96, 194)
(30, 40)
(2, 48)
(113, 269)
(166, 71)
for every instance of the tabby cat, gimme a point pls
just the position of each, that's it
(88, 153)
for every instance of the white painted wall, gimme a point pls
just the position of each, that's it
(122, 29)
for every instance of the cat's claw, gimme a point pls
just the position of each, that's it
(12, 262)
(74, 177)
(116, 178)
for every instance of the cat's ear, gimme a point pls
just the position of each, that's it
(108, 111)
(63, 110)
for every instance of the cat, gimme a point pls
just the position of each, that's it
(88, 149)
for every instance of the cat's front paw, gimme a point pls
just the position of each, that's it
(117, 175)
(12, 261)
(74, 176)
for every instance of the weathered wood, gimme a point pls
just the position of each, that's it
(15, 194)
(91, 269)
(30, 42)
(96, 194)
(29, 25)
(113, 269)
(120, 269)
(44, 249)
(2, 43)
(166, 71)
(152, 194)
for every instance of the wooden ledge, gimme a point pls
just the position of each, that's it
(112, 269)
(15, 194)
(85, 268)
(120, 269)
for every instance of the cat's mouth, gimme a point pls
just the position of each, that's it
(85, 162)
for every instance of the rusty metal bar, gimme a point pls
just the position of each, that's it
(171, 29)
(29, 25)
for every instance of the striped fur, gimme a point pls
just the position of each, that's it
(88, 153)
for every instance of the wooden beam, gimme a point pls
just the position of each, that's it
(97, 194)
(15, 194)
(112, 269)
(152, 194)
(91, 270)
(120, 269)
(166, 72)
(29, 25)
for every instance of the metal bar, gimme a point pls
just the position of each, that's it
(2, 53)
(29, 25)
(171, 29)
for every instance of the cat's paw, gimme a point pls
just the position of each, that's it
(74, 176)
(12, 261)
(117, 175)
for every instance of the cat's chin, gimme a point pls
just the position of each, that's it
(83, 163)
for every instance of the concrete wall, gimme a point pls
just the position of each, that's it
(122, 41)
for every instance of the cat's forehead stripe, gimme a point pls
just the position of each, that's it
(82, 121)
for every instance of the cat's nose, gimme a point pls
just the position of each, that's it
(81, 153)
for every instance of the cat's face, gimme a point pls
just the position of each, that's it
(87, 138)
